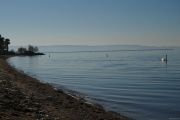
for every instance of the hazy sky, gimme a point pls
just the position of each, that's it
(91, 22)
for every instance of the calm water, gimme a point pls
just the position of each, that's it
(134, 83)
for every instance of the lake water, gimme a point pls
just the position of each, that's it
(132, 82)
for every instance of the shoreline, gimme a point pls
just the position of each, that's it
(25, 97)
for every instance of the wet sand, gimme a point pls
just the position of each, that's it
(25, 98)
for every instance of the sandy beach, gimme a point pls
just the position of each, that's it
(25, 98)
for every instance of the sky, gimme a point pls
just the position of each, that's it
(91, 22)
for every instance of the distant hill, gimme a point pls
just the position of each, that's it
(77, 48)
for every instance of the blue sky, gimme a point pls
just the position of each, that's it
(91, 22)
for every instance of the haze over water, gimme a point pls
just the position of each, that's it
(131, 81)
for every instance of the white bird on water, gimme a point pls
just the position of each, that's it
(164, 59)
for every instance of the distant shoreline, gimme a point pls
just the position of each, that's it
(52, 103)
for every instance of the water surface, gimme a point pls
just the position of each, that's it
(132, 82)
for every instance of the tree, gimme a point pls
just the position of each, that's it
(22, 50)
(6, 43)
(33, 49)
(30, 48)
(36, 49)
(1, 44)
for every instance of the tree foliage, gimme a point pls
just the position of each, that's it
(4, 45)
(33, 48)
(30, 50)
(4, 49)
(22, 50)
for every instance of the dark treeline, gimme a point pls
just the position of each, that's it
(31, 50)
(4, 45)
(4, 49)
